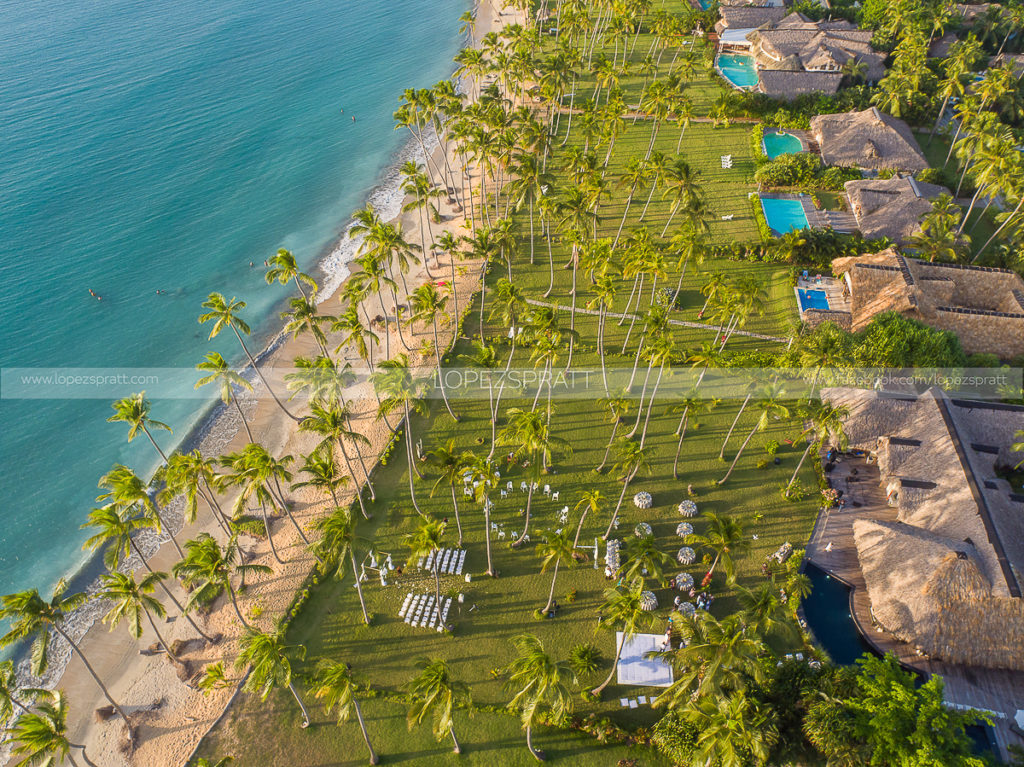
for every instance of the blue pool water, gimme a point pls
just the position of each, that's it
(163, 145)
(783, 215)
(827, 612)
(739, 69)
(812, 299)
(776, 144)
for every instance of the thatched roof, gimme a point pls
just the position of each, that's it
(1017, 59)
(892, 207)
(868, 139)
(748, 16)
(781, 84)
(926, 464)
(939, 49)
(930, 591)
(817, 45)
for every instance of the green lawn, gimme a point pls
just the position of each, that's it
(495, 610)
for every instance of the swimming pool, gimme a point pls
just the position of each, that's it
(827, 612)
(812, 299)
(783, 215)
(778, 143)
(738, 68)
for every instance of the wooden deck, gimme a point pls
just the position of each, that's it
(993, 690)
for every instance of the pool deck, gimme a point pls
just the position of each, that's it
(840, 220)
(983, 688)
(833, 288)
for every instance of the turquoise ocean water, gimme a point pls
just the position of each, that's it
(163, 145)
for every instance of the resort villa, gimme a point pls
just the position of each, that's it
(869, 139)
(794, 55)
(983, 306)
(891, 207)
(931, 539)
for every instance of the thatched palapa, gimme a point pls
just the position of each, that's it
(867, 139)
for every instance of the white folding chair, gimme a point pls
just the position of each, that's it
(462, 559)
(504, 493)
(508, 485)
(547, 489)
(554, 496)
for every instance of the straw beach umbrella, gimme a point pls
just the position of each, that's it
(688, 509)
(686, 556)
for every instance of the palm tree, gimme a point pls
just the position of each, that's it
(31, 617)
(485, 357)
(770, 407)
(41, 736)
(283, 268)
(724, 536)
(435, 694)
(134, 411)
(451, 465)
(427, 305)
(681, 185)
(9, 690)
(207, 570)
(826, 423)
(337, 542)
(333, 684)
(616, 407)
(190, 475)
(690, 405)
(765, 614)
(132, 600)
(622, 611)
(483, 472)
(538, 681)
(424, 543)
(304, 318)
(115, 528)
(400, 389)
(644, 560)
(732, 731)
(1018, 447)
(270, 662)
(555, 549)
(126, 489)
(590, 501)
(323, 474)
(332, 422)
(632, 460)
(224, 314)
(715, 659)
(355, 333)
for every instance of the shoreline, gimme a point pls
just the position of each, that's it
(215, 428)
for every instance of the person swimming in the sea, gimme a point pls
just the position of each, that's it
(94, 295)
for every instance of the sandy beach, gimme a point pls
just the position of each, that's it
(169, 716)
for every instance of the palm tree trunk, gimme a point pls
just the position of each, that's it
(411, 460)
(608, 447)
(615, 665)
(455, 505)
(305, 714)
(92, 672)
(456, 747)
(359, 490)
(538, 755)
(270, 536)
(600, 346)
(167, 591)
(160, 639)
(721, 453)
(643, 396)
(798, 467)
(487, 537)
(440, 374)
(252, 361)
(625, 213)
(526, 526)
(153, 442)
(551, 261)
(551, 594)
(618, 505)
(362, 728)
(1000, 229)
(85, 756)
(738, 454)
(650, 404)
(284, 507)
(238, 611)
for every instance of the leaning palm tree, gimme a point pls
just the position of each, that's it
(133, 600)
(125, 489)
(724, 536)
(284, 268)
(555, 549)
(134, 411)
(644, 560)
(337, 543)
(765, 613)
(9, 692)
(770, 407)
(31, 617)
(451, 466)
(622, 611)
(189, 476)
(40, 737)
(434, 694)
(633, 458)
(270, 662)
(732, 732)
(303, 317)
(400, 389)
(427, 305)
(483, 473)
(332, 422)
(426, 542)
(688, 406)
(826, 423)
(219, 372)
(616, 407)
(538, 681)
(590, 501)
(224, 314)
(323, 474)
(333, 684)
(207, 570)
(114, 532)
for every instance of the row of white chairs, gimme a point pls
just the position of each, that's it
(419, 610)
(448, 561)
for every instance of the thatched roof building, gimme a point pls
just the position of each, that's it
(982, 305)
(797, 43)
(747, 17)
(784, 84)
(869, 139)
(891, 207)
(952, 562)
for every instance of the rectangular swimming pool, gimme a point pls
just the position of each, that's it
(783, 215)
(812, 299)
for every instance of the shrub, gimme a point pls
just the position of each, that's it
(585, 658)
(772, 447)
(983, 361)
(676, 737)
(834, 178)
(789, 170)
